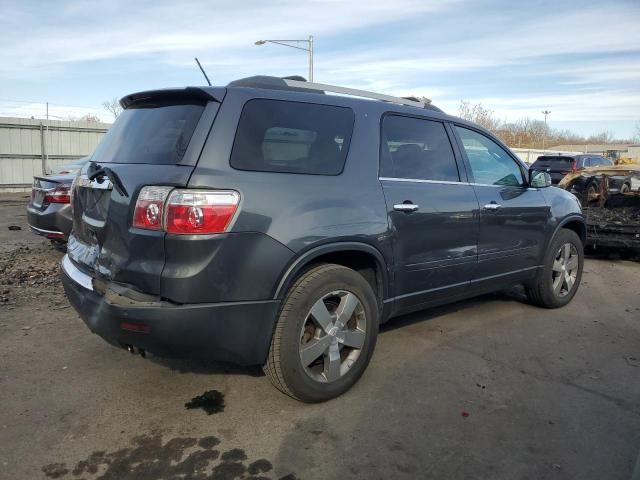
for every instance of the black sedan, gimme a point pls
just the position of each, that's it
(49, 209)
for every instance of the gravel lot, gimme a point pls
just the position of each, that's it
(486, 389)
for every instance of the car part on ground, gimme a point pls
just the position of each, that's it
(210, 218)
(49, 209)
(611, 204)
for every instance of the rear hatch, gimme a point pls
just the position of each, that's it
(556, 165)
(156, 140)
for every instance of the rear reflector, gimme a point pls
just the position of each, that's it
(135, 327)
(200, 211)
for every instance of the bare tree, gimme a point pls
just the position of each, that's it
(603, 137)
(113, 107)
(478, 114)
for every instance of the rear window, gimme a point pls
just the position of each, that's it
(416, 149)
(149, 134)
(292, 137)
(554, 159)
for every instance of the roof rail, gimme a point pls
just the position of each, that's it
(299, 84)
(323, 87)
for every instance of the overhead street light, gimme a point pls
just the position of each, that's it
(544, 135)
(295, 44)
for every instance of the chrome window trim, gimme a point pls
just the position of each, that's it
(446, 182)
(76, 274)
(418, 180)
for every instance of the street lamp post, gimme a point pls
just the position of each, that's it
(289, 43)
(544, 135)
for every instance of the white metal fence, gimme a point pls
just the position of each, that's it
(31, 147)
(529, 155)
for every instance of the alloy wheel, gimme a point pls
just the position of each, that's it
(565, 269)
(332, 336)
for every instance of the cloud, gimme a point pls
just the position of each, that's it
(83, 31)
(516, 58)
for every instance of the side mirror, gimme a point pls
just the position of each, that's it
(539, 179)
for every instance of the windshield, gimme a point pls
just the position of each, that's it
(149, 134)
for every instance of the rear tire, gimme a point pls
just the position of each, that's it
(558, 281)
(325, 334)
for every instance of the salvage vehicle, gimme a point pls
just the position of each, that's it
(277, 222)
(49, 208)
(611, 200)
(560, 165)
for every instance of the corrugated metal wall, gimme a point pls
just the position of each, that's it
(529, 155)
(25, 145)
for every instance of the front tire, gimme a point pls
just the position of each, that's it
(558, 281)
(325, 335)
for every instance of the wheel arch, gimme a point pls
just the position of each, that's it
(575, 223)
(356, 255)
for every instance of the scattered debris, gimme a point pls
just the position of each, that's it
(610, 197)
(28, 267)
(15, 227)
(464, 413)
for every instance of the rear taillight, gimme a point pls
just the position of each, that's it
(149, 210)
(185, 212)
(59, 194)
(200, 211)
(574, 166)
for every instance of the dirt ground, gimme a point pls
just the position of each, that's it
(491, 388)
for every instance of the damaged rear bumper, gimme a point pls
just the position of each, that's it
(238, 332)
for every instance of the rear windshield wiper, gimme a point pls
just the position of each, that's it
(98, 172)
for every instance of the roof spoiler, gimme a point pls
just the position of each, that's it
(200, 94)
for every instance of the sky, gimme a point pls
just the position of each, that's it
(578, 59)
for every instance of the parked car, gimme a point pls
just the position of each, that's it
(560, 165)
(68, 168)
(49, 208)
(271, 223)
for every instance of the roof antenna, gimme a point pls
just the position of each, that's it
(202, 70)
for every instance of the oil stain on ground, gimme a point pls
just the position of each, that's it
(211, 402)
(148, 458)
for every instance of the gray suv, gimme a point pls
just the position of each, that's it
(272, 223)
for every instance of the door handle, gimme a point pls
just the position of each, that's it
(492, 206)
(406, 207)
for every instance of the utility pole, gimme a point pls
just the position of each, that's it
(544, 135)
(48, 143)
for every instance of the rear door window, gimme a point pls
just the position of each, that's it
(414, 148)
(490, 163)
(157, 134)
(292, 137)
